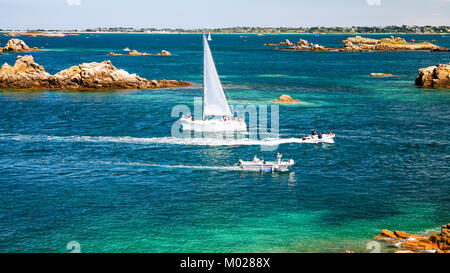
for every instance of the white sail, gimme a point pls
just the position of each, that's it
(214, 100)
(209, 37)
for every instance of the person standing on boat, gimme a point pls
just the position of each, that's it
(255, 159)
(279, 158)
(314, 133)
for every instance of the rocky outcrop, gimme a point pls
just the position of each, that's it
(381, 75)
(26, 74)
(286, 99)
(114, 54)
(164, 53)
(411, 242)
(17, 45)
(437, 76)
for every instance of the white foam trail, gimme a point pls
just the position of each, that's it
(164, 140)
(228, 168)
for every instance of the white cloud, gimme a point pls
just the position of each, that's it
(73, 2)
(373, 2)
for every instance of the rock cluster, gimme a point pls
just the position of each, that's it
(26, 74)
(17, 45)
(435, 243)
(286, 99)
(434, 76)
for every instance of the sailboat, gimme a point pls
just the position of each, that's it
(209, 37)
(217, 116)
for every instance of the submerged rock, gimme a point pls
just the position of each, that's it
(286, 99)
(17, 45)
(434, 243)
(27, 74)
(380, 75)
(434, 76)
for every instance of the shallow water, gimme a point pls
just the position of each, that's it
(101, 168)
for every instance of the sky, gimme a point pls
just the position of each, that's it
(188, 14)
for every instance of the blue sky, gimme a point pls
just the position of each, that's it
(73, 14)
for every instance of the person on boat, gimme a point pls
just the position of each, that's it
(279, 158)
(314, 133)
(303, 138)
(320, 136)
(255, 159)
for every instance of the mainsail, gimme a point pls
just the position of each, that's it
(214, 100)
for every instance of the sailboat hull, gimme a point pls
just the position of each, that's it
(213, 125)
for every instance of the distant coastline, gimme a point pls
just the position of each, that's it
(354, 30)
(247, 33)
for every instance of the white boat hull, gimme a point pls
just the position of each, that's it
(213, 125)
(268, 166)
(327, 138)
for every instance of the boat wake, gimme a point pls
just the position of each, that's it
(163, 140)
(218, 168)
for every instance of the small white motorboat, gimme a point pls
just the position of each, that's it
(260, 165)
(126, 49)
(329, 138)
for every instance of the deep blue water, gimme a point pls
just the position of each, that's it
(101, 168)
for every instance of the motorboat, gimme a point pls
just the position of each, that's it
(260, 165)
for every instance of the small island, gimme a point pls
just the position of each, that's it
(26, 74)
(361, 44)
(36, 33)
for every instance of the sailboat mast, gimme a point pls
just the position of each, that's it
(204, 67)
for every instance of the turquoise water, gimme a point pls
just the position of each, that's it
(101, 168)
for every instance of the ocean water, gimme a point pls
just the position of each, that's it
(102, 169)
